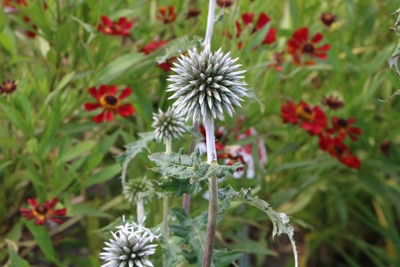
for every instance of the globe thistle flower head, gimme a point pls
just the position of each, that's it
(138, 188)
(206, 84)
(168, 125)
(129, 247)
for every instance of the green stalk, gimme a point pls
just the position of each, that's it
(213, 198)
(168, 150)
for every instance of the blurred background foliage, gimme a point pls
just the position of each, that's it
(50, 147)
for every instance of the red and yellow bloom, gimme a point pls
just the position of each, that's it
(121, 27)
(303, 50)
(153, 46)
(42, 212)
(313, 120)
(166, 15)
(109, 102)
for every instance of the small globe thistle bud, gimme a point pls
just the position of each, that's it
(206, 84)
(138, 188)
(129, 247)
(168, 125)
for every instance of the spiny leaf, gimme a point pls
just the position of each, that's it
(280, 221)
(180, 166)
(181, 186)
(132, 150)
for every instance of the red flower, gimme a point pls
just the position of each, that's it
(41, 212)
(336, 148)
(328, 19)
(300, 45)
(224, 3)
(8, 86)
(165, 16)
(153, 46)
(121, 27)
(262, 20)
(313, 120)
(332, 102)
(192, 13)
(344, 127)
(109, 102)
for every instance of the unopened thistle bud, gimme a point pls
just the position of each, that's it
(206, 84)
(129, 247)
(168, 125)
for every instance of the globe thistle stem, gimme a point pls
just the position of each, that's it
(210, 23)
(168, 150)
(212, 188)
(140, 209)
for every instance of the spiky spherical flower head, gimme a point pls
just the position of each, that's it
(129, 247)
(168, 125)
(206, 84)
(138, 188)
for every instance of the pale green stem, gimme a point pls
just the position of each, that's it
(140, 210)
(213, 197)
(168, 150)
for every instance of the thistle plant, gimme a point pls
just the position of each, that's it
(206, 85)
(130, 246)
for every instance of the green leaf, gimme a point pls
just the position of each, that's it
(225, 258)
(89, 28)
(2, 19)
(180, 166)
(15, 118)
(104, 175)
(77, 151)
(83, 209)
(15, 259)
(118, 67)
(132, 150)
(42, 237)
(9, 143)
(181, 186)
(280, 221)
(7, 41)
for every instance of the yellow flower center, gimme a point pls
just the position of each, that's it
(109, 102)
(304, 112)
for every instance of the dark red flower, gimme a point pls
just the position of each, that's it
(224, 3)
(328, 19)
(166, 16)
(262, 21)
(343, 127)
(313, 120)
(8, 86)
(109, 102)
(192, 13)
(153, 46)
(300, 46)
(337, 149)
(332, 102)
(385, 148)
(121, 27)
(43, 212)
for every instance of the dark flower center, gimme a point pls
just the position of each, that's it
(41, 209)
(109, 102)
(342, 123)
(308, 48)
(338, 150)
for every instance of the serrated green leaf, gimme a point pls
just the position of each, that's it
(280, 221)
(180, 166)
(181, 186)
(132, 150)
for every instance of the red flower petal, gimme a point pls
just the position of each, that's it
(262, 20)
(125, 110)
(317, 38)
(93, 92)
(247, 18)
(91, 106)
(106, 20)
(125, 93)
(32, 202)
(100, 117)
